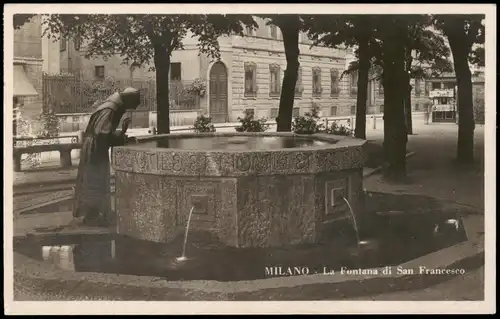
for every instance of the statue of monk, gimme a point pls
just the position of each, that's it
(92, 204)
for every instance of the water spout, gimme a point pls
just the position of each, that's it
(183, 256)
(354, 222)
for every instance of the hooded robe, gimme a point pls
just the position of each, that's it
(92, 190)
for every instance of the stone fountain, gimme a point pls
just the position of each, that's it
(247, 189)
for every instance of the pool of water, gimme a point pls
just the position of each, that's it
(235, 142)
(393, 239)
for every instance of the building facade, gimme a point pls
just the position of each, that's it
(28, 65)
(34, 55)
(443, 92)
(249, 76)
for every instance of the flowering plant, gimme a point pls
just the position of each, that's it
(198, 87)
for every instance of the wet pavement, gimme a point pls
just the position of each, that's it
(394, 239)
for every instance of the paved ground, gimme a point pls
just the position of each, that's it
(432, 169)
(432, 173)
(457, 289)
(467, 287)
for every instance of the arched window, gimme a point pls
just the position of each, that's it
(133, 68)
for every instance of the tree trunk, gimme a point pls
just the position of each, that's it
(408, 117)
(395, 89)
(162, 66)
(290, 33)
(364, 68)
(465, 144)
(407, 101)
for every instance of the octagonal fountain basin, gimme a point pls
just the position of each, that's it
(246, 189)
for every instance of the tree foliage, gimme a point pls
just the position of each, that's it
(469, 28)
(147, 40)
(133, 37)
(427, 53)
(351, 31)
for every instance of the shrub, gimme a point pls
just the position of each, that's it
(49, 125)
(337, 129)
(250, 124)
(308, 124)
(33, 160)
(203, 124)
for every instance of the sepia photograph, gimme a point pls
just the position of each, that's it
(249, 158)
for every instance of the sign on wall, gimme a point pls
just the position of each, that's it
(443, 108)
(442, 93)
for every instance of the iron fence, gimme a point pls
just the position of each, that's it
(75, 94)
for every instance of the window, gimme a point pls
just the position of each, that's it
(250, 79)
(62, 44)
(316, 82)
(298, 84)
(353, 109)
(99, 72)
(333, 111)
(274, 112)
(296, 112)
(382, 108)
(380, 89)
(334, 84)
(417, 106)
(436, 85)
(417, 87)
(133, 68)
(449, 85)
(175, 71)
(274, 32)
(354, 84)
(427, 88)
(77, 42)
(274, 80)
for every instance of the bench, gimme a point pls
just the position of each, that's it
(63, 149)
(74, 138)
